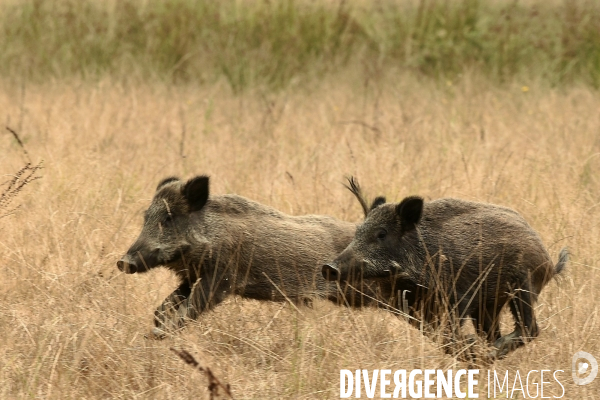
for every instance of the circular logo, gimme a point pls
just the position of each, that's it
(582, 364)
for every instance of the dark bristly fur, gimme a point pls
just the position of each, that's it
(452, 259)
(166, 181)
(227, 244)
(379, 200)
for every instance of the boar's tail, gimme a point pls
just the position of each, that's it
(563, 259)
(354, 187)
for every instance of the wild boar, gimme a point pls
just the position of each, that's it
(451, 260)
(227, 244)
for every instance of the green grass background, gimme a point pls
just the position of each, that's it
(275, 43)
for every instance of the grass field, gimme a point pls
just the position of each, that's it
(276, 43)
(73, 326)
(493, 102)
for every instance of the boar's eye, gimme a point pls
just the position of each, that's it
(168, 221)
(381, 234)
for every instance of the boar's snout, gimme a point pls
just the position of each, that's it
(127, 265)
(141, 257)
(331, 272)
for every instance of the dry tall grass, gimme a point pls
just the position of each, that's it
(73, 326)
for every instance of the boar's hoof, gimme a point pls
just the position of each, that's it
(493, 355)
(330, 272)
(156, 334)
(506, 344)
(470, 340)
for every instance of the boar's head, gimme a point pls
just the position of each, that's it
(164, 236)
(385, 244)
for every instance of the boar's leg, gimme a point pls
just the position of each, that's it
(206, 294)
(187, 303)
(487, 323)
(455, 343)
(169, 316)
(526, 328)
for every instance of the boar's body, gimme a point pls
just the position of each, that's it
(244, 244)
(465, 242)
(223, 245)
(450, 259)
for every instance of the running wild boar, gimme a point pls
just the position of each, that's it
(448, 260)
(224, 245)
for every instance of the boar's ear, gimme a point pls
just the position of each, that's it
(195, 192)
(379, 200)
(166, 181)
(409, 211)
